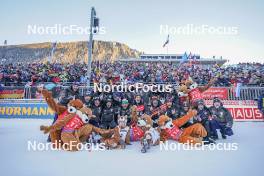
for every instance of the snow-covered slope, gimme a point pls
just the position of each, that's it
(17, 160)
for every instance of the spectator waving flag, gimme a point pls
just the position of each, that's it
(167, 41)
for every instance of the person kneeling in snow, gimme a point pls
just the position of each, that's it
(221, 119)
(203, 117)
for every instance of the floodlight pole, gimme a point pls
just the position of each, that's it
(90, 47)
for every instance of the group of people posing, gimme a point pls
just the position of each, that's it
(119, 118)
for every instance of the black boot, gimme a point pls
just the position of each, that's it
(144, 146)
(49, 140)
(223, 136)
(207, 141)
(214, 137)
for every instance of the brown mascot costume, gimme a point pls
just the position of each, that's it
(151, 135)
(170, 129)
(70, 128)
(195, 91)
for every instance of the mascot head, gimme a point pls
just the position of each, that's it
(191, 84)
(165, 122)
(74, 105)
(145, 121)
(77, 107)
(183, 91)
(85, 114)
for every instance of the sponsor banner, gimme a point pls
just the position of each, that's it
(212, 92)
(10, 92)
(33, 108)
(25, 109)
(241, 110)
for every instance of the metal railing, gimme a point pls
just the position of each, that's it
(246, 93)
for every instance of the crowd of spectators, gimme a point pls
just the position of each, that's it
(249, 74)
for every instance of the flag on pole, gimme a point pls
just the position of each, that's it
(167, 41)
(190, 56)
(236, 89)
(184, 58)
(192, 59)
(54, 45)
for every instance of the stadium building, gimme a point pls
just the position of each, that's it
(176, 58)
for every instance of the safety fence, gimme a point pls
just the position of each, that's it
(225, 93)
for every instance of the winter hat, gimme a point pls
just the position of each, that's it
(88, 93)
(96, 98)
(200, 102)
(216, 99)
(124, 101)
(108, 100)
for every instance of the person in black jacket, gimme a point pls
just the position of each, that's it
(155, 110)
(73, 92)
(203, 116)
(87, 99)
(97, 112)
(171, 111)
(109, 113)
(221, 119)
(183, 111)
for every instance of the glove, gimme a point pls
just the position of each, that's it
(228, 125)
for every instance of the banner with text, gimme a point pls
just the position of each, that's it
(241, 110)
(25, 109)
(22, 108)
(219, 92)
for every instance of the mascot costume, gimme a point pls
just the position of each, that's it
(190, 91)
(171, 129)
(71, 127)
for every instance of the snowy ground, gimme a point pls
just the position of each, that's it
(17, 160)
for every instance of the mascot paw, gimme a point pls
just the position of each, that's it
(46, 93)
(192, 112)
(45, 129)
